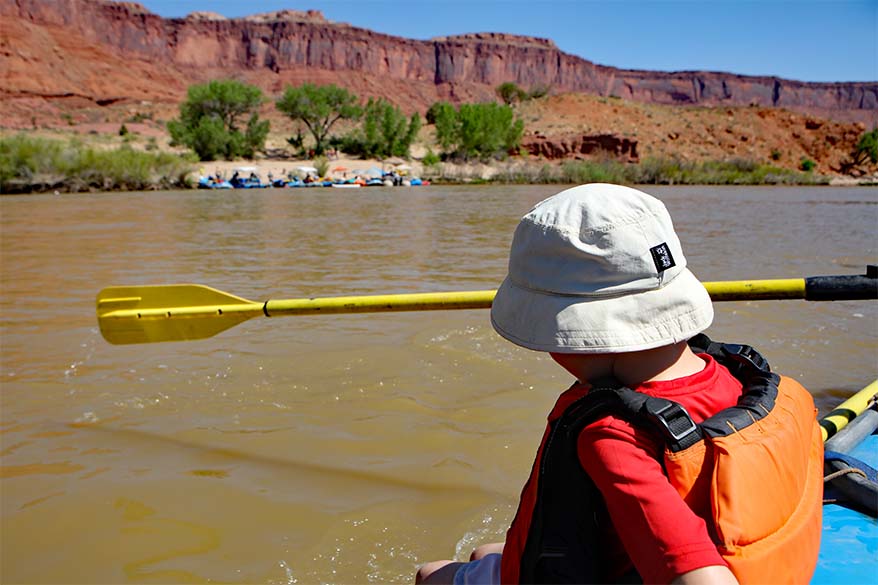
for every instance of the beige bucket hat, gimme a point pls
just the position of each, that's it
(599, 269)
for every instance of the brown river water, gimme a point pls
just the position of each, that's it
(336, 448)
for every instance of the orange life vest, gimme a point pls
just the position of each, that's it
(753, 471)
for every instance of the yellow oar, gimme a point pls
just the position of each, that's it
(142, 314)
(848, 410)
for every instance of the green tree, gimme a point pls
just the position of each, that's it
(434, 110)
(319, 108)
(865, 151)
(447, 128)
(211, 120)
(478, 130)
(384, 131)
(867, 148)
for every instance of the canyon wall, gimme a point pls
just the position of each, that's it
(109, 51)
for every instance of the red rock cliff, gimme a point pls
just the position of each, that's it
(107, 51)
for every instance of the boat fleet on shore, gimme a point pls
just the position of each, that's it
(247, 178)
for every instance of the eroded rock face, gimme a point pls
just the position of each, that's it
(581, 146)
(75, 47)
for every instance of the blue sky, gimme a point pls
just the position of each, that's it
(809, 40)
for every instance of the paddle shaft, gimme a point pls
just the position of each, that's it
(139, 314)
(818, 288)
(744, 290)
(848, 410)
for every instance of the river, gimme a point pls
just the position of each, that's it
(332, 449)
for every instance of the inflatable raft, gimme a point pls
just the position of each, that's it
(849, 544)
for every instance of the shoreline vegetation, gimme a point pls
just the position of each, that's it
(38, 165)
(324, 133)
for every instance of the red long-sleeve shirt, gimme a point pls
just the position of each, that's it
(651, 524)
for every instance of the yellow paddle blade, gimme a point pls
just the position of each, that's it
(177, 312)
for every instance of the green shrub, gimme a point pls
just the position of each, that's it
(431, 158)
(28, 164)
(384, 131)
(538, 91)
(477, 130)
(446, 121)
(321, 163)
(807, 165)
(510, 93)
(210, 119)
(867, 148)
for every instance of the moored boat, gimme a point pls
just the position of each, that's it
(212, 182)
(240, 179)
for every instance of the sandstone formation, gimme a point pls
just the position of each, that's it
(105, 52)
(581, 146)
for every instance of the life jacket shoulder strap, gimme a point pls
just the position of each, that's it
(670, 419)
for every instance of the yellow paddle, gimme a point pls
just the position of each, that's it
(848, 410)
(176, 312)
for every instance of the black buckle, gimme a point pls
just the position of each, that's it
(746, 355)
(669, 411)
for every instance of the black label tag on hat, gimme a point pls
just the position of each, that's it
(661, 255)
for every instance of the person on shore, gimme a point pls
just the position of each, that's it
(672, 458)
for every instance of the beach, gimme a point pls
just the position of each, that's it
(339, 168)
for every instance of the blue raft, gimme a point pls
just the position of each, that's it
(849, 543)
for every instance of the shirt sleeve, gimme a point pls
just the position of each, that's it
(663, 537)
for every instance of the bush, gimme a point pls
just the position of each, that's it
(445, 118)
(435, 110)
(384, 131)
(321, 163)
(510, 93)
(652, 170)
(807, 165)
(477, 130)
(36, 164)
(867, 148)
(431, 158)
(538, 91)
(210, 117)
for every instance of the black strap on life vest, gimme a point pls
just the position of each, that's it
(563, 543)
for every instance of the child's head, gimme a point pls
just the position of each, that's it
(599, 269)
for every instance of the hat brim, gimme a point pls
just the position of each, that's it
(575, 324)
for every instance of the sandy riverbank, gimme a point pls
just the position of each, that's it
(340, 168)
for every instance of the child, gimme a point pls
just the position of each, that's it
(666, 461)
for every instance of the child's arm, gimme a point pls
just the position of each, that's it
(663, 537)
(715, 575)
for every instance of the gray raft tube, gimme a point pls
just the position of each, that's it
(856, 489)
